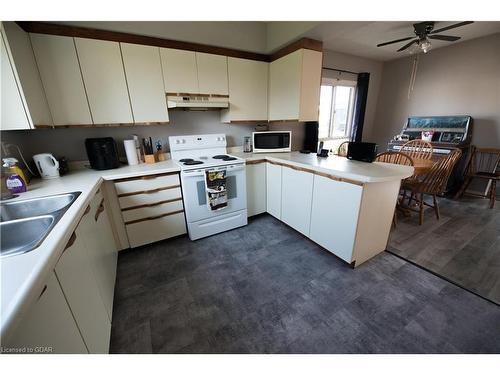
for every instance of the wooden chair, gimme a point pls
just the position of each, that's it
(417, 149)
(432, 183)
(342, 150)
(483, 164)
(395, 158)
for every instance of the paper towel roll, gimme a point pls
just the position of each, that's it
(131, 152)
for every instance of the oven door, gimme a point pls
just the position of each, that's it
(272, 141)
(195, 196)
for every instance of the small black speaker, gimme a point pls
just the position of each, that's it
(311, 136)
(362, 151)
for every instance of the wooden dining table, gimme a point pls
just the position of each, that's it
(422, 166)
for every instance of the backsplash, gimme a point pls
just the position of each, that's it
(70, 142)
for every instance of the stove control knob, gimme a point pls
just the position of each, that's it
(183, 141)
(177, 141)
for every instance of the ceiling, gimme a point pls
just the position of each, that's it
(361, 38)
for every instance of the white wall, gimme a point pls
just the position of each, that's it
(455, 80)
(337, 60)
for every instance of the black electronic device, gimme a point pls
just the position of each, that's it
(362, 151)
(102, 153)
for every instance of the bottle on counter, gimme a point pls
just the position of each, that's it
(15, 179)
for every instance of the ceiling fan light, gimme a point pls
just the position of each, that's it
(425, 45)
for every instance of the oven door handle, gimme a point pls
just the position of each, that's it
(229, 168)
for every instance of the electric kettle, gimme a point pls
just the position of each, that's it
(47, 165)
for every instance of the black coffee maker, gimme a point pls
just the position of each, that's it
(102, 153)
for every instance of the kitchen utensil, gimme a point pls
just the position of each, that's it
(47, 165)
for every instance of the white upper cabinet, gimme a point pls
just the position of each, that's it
(212, 73)
(12, 106)
(145, 82)
(62, 79)
(294, 86)
(179, 71)
(30, 84)
(104, 78)
(248, 81)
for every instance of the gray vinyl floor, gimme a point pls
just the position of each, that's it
(264, 288)
(463, 246)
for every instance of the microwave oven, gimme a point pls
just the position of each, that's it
(272, 141)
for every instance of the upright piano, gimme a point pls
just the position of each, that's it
(449, 132)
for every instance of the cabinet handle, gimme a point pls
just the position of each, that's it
(100, 209)
(87, 210)
(71, 241)
(42, 293)
(154, 217)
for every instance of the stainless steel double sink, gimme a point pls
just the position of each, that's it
(24, 224)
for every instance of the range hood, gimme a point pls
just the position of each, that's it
(197, 102)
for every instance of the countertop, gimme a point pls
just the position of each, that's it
(23, 276)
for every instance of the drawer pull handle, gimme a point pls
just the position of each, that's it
(100, 209)
(71, 241)
(87, 210)
(151, 204)
(146, 177)
(42, 292)
(148, 191)
(154, 217)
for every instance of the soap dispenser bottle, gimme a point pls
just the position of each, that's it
(15, 181)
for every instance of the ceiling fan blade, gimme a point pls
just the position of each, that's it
(395, 41)
(451, 27)
(407, 45)
(448, 38)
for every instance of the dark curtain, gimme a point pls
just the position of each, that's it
(360, 107)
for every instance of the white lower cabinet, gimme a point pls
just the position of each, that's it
(49, 325)
(151, 207)
(81, 289)
(256, 188)
(334, 215)
(97, 235)
(296, 198)
(273, 189)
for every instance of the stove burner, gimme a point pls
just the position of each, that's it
(193, 162)
(223, 157)
(185, 160)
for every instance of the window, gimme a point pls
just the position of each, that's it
(335, 112)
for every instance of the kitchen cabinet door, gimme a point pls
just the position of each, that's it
(145, 82)
(296, 199)
(82, 292)
(104, 78)
(30, 84)
(48, 325)
(273, 189)
(212, 73)
(256, 189)
(62, 79)
(294, 86)
(14, 116)
(334, 215)
(248, 82)
(180, 74)
(98, 239)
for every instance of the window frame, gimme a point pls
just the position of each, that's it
(334, 83)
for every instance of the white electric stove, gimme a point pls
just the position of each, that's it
(195, 154)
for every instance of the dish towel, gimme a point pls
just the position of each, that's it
(215, 186)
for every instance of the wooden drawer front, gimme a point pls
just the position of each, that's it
(147, 231)
(151, 211)
(149, 198)
(146, 183)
